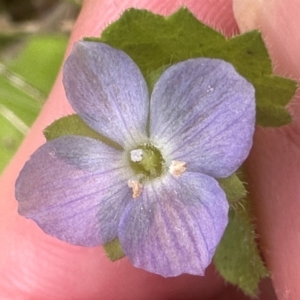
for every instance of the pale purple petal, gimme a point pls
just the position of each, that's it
(203, 112)
(175, 225)
(75, 189)
(107, 90)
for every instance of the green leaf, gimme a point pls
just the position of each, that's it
(113, 250)
(73, 125)
(274, 116)
(268, 89)
(25, 82)
(69, 125)
(154, 42)
(237, 257)
(233, 188)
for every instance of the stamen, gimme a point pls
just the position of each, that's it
(136, 188)
(177, 168)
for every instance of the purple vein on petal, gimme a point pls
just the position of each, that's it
(196, 100)
(175, 231)
(107, 90)
(211, 148)
(75, 189)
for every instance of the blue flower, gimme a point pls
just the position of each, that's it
(158, 191)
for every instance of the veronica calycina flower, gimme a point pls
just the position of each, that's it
(158, 191)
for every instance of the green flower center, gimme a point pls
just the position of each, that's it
(146, 160)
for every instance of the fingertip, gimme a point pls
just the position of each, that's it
(273, 165)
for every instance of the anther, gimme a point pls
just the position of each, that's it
(136, 188)
(177, 168)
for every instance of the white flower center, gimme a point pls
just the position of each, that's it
(136, 155)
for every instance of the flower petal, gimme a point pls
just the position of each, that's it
(107, 90)
(203, 112)
(175, 225)
(75, 188)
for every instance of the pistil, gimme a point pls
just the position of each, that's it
(147, 161)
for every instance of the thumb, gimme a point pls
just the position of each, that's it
(274, 162)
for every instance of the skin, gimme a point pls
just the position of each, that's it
(36, 266)
(274, 162)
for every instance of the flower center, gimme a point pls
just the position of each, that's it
(146, 160)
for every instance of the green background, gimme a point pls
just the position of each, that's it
(33, 40)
